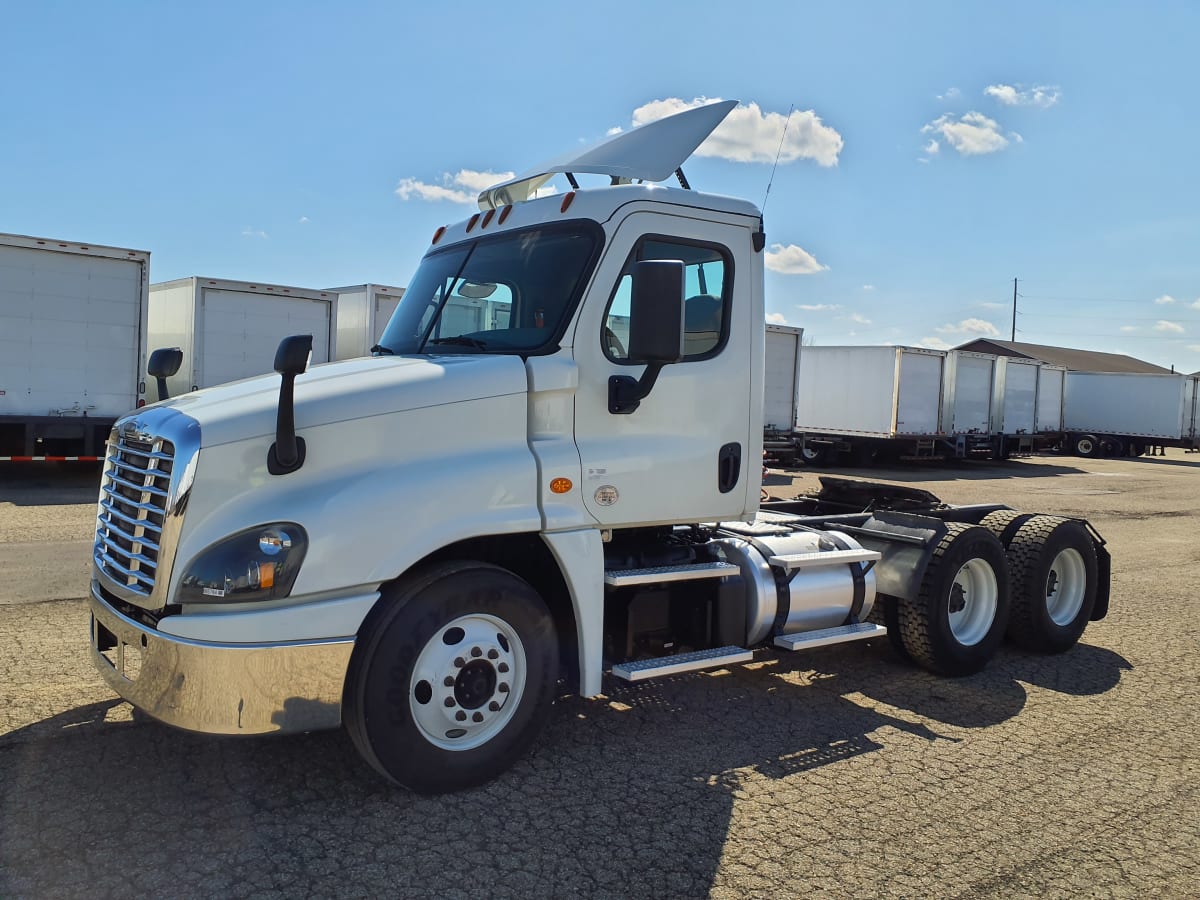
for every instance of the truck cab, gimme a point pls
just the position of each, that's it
(548, 469)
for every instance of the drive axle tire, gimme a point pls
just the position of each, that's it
(1086, 445)
(1054, 579)
(1003, 523)
(452, 677)
(958, 618)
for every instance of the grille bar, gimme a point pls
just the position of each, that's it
(133, 499)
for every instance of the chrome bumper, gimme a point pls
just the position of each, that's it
(220, 688)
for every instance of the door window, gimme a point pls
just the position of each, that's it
(707, 278)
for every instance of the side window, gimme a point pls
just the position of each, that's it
(707, 279)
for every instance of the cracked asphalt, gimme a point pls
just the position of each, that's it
(837, 772)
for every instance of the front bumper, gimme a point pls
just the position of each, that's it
(220, 688)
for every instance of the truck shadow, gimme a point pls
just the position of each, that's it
(628, 795)
(49, 484)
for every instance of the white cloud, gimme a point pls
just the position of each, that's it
(971, 135)
(923, 159)
(868, 287)
(303, 220)
(951, 94)
(1196, 304)
(1043, 95)
(1195, 348)
(462, 186)
(616, 129)
(1168, 327)
(1129, 329)
(254, 233)
(991, 304)
(818, 307)
(932, 147)
(776, 319)
(750, 135)
(859, 319)
(1165, 299)
(792, 260)
(933, 343)
(970, 326)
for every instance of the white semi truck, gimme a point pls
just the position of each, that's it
(323, 547)
(72, 335)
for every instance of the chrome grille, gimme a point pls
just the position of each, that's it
(133, 510)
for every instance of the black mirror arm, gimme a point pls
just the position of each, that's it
(162, 387)
(287, 453)
(626, 393)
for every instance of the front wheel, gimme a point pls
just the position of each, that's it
(452, 677)
(1087, 446)
(958, 618)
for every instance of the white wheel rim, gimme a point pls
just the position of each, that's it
(467, 682)
(1066, 583)
(810, 453)
(1085, 446)
(974, 598)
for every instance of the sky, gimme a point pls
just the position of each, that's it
(929, 153)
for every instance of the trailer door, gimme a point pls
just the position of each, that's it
(1020, 398)
(1050, 400)
(918, 393)
(972, 395)
(779, 391)
(241, 331)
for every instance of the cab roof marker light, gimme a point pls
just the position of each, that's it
(471, 224)
(487, 217)
(504, 213)
(567, 198)
(437, 235)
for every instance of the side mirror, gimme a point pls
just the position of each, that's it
(164, 362)
(291, 359)
(656, 312)
(655, 331)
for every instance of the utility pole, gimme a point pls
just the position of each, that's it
(1014, 325)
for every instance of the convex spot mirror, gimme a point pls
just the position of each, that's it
(292, 356)
(656, 312)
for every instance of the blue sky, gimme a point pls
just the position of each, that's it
(936, 151)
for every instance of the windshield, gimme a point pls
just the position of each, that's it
(508, 293)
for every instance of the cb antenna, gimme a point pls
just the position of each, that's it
(788, 121)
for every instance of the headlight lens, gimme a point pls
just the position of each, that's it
(259, 563)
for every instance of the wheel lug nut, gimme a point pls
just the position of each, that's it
(459, 662)
(475, 651)
(449, 681)
(503, 667)
(492, 654)
(478, 717)
(503, 688)
(449, 701)
(494, 706)
(460, 716)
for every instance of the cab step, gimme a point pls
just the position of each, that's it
(793, 561)
(659, 574)
(642, 669)
(841, 634)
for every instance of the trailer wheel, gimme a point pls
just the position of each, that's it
(1086, 445)
(815, 454)
(1003, 523)
(452, 677)
(958, 618)
(1135, 448)
(1112, 446)
(1054, 576)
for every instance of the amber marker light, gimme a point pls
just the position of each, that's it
(266, 575)
(560, 485)
(487, 217)
(437, 235)
(504, 213)
(567, 198)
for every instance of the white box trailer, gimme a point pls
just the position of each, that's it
(968, 396)
(783, 347)
(229, 330)
(72, 327)
(1121, 413)
(1048, 420)
(859, 400)
(363, 311)
(1190, 429)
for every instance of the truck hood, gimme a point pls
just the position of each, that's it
(344, 391)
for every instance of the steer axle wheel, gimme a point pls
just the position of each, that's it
(452, 676)
(957, 621)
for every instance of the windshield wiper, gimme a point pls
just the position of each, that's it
(379, 348)
(461, 340)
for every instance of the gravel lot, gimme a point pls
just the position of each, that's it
(837, 772)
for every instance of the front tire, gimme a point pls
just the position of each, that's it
(1087, 446)
(452, 677)
(957, 621)
(1054, 574)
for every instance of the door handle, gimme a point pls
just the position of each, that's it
(729, 467)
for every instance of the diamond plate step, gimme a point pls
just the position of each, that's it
(681, 662)
(661, 574)
(806, 640)
(793, 561)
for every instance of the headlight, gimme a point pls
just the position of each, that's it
(256, 564)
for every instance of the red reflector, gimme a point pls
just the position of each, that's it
(141, 403)
(437, 235)
(471, 224)
(504, 215)
(567, 198)
(487, 217)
